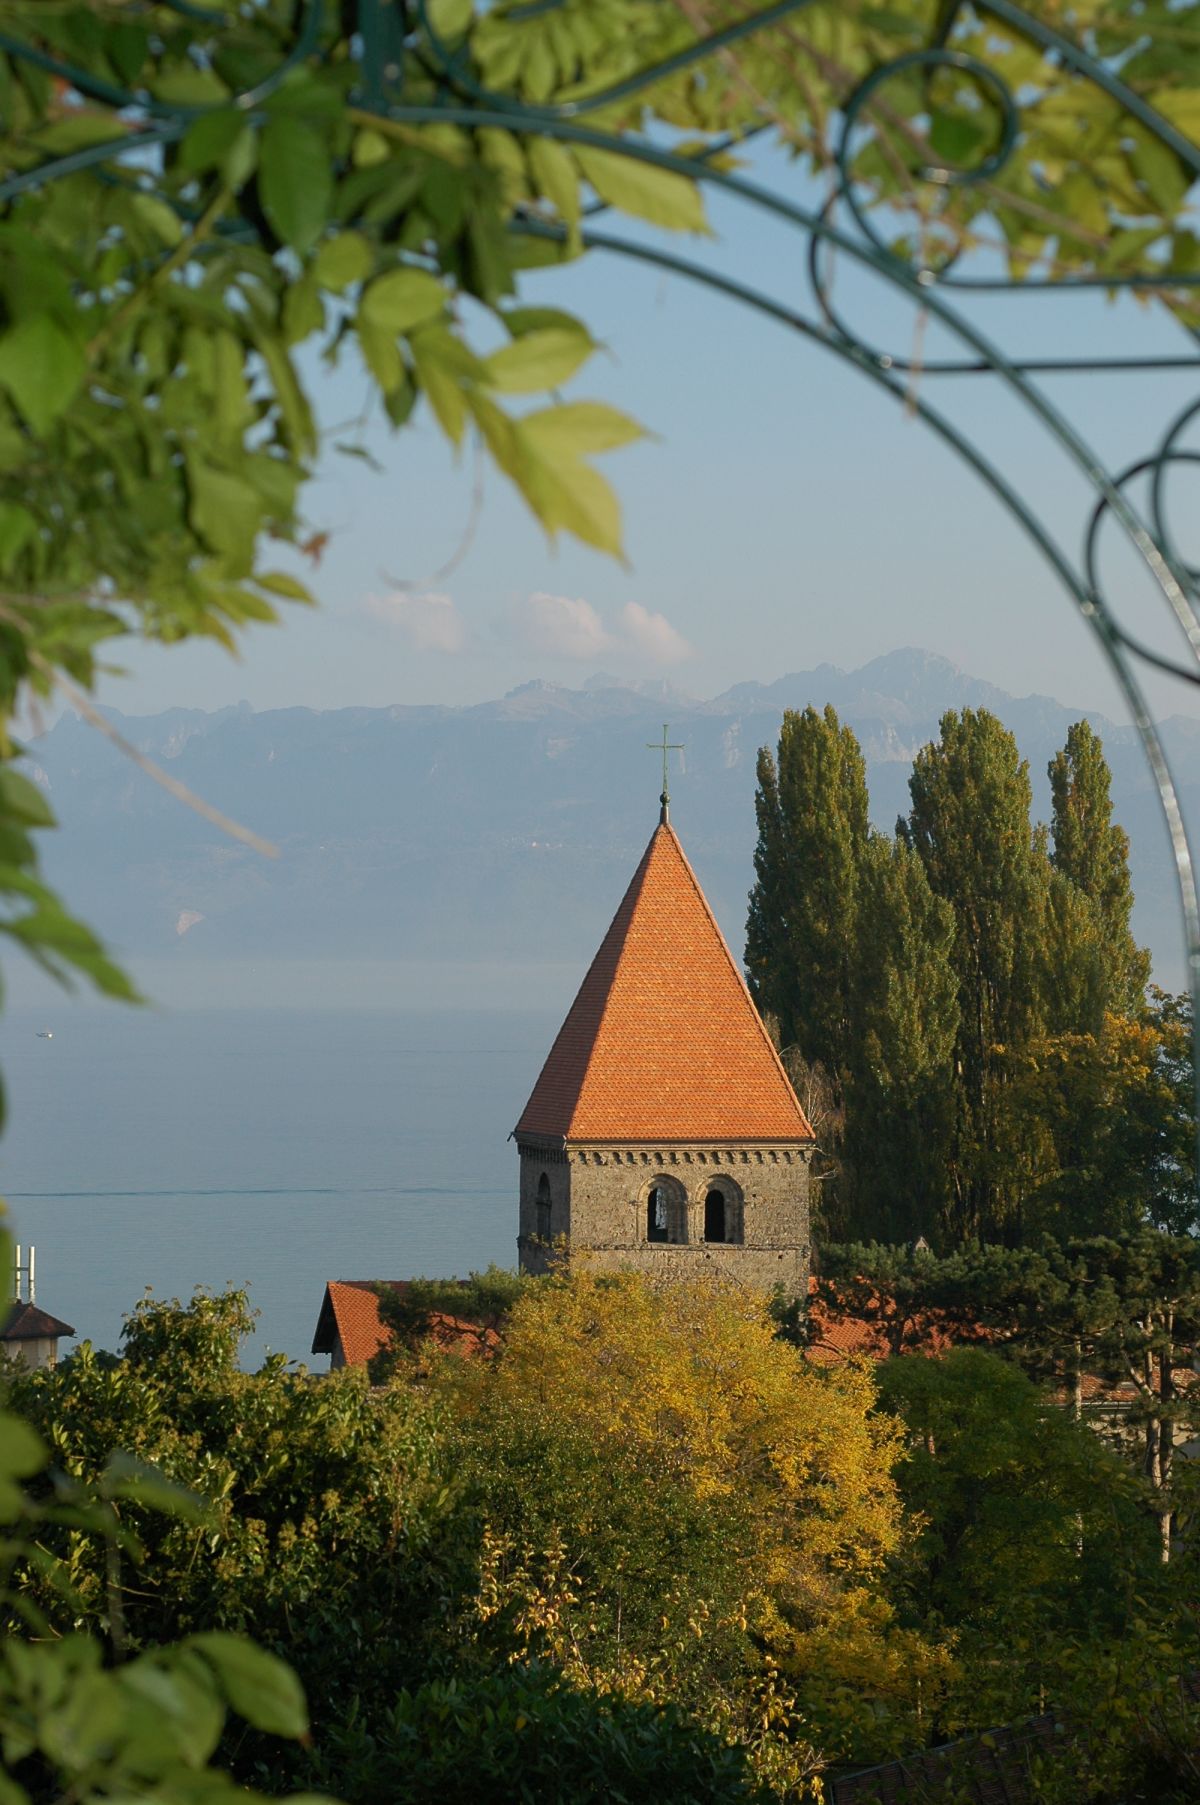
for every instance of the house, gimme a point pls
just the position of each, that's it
(350, 1330)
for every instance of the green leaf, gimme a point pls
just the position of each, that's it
(569, 495)
(955, 140)
(293, 403)
(260, 1687)
(159, 218)
(556, 177)
(21, 1455)
(342, 261)
(210, 138)
(540, 360)
(450, 18)
(441, 382)
(295, 181)
(21, 800)
(643, 190)
(77, 131)
(303, 310)
(21, 1450)
(42, 366)
(125, 1476)
(17, 527)
(277, 582)
(186, 1716)
(520, 320)
(1159, 170)
(402, 299)
(575, 428)
(185, 84)
(370, 147)
(224, 510)
(381, 354)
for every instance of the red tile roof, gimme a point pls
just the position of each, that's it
(663, 1042)
(350, 1315)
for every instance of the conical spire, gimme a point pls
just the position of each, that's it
(663, 1042)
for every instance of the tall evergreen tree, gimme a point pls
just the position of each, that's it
(1092, 851)
(970, 824)
(900, 1082)
(812, 815)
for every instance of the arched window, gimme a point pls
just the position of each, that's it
(544, 1209)
(715, 1225)
(657, 1219)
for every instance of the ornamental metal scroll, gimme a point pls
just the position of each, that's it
(406, 72)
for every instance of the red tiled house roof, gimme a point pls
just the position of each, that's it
(350, 1321)
(663, 1042)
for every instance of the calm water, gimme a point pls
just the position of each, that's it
(275, 1149)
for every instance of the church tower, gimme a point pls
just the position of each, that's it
(663, 1132)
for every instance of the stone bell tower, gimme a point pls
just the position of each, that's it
(663, 1132)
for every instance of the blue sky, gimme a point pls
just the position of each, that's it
(786, 513)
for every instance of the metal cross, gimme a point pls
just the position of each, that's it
(665, 747)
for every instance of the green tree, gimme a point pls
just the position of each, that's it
(970, 824)
(811, 808)
(1092, 852)
(1033, 1541)
(327, 1519)
(900, 1079)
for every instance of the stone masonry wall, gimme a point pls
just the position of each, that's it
(599, 1198)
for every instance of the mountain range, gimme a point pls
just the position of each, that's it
(504, 831)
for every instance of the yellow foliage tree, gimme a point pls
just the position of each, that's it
(673, 1496)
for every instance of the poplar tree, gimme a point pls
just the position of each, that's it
(811, 807)
(1092, 852)
(970, 825)
(900, 1081)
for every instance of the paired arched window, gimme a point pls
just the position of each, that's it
(545, 1209)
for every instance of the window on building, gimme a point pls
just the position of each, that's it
(657, 1225)
(715, 1227)
(544, 1209)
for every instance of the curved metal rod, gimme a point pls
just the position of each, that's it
(1168, 454)
(1159, 660)
(1185, 615)
(954, 366)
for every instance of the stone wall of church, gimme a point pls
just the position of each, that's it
(600, 1203)
(538, 1163)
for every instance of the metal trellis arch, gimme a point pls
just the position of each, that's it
(933, 273)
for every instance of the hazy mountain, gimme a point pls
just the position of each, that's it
(502, 831)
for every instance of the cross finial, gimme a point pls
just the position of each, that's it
(664, 746)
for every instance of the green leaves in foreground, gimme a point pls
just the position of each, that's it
(148, 1728)
(72, 1724)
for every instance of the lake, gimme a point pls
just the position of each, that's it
(272, 1148)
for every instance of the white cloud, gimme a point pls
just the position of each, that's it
(430, 622)
(652, 635)
(560, 626)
